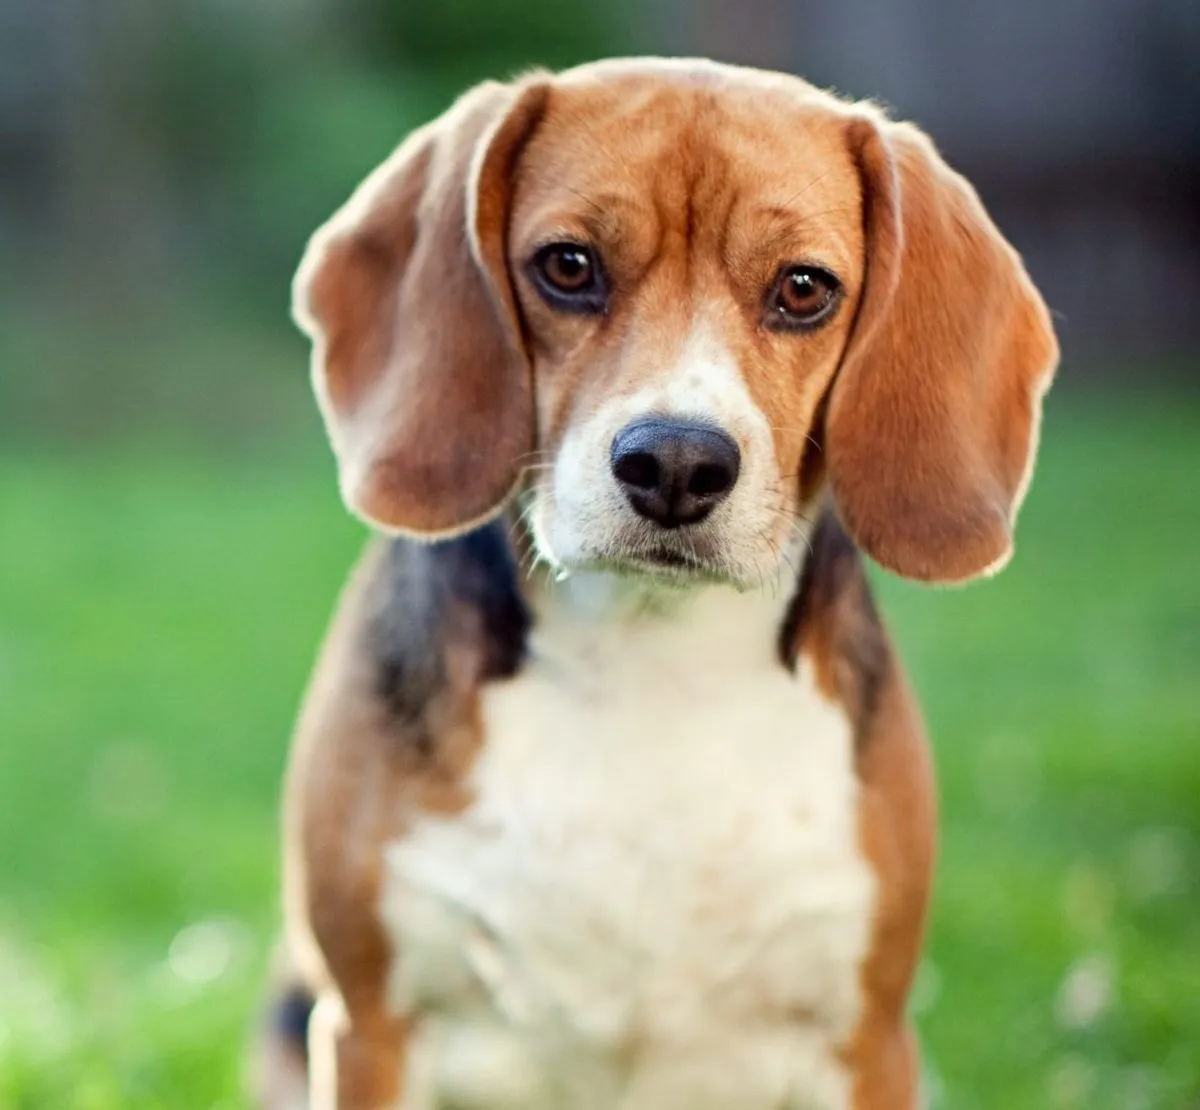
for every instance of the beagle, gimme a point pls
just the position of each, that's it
(609, 792)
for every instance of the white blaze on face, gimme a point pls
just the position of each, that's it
(584, 516)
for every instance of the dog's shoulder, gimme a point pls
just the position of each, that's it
(833, 618)
(428, 601)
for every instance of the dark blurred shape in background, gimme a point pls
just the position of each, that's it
(161, 164)
(1078, 121)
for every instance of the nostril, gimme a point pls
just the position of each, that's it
(638, 469)
(709, 480)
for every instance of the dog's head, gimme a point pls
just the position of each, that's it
(675, 301)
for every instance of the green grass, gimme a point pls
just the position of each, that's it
(158, 615)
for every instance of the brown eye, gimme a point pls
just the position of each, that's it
(802, 297)
(568, 276)
(568, 269)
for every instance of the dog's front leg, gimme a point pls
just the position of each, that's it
(356, 1062)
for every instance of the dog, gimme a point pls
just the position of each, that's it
(609, 792)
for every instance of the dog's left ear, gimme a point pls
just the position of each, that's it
(418, 358)
(932, 422)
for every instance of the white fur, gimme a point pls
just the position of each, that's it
(657, 900)
(580, 515)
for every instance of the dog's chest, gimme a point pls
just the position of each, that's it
(657, 899)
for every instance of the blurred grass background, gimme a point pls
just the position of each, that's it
(171, 541)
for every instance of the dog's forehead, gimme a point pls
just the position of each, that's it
(626, 131)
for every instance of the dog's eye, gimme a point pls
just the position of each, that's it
(802, 297)
(567, 268)
(568, 276)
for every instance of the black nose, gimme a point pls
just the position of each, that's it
(674, 472)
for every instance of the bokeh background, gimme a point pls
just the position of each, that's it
(171, 542)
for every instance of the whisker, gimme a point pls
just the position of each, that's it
(791, 565)
(804, 189)
(536, 455)
(530, 562)
(586, 199)
(531, 556)
(788, 514)
(805, 434)
(795, 523)
(519, 526)
(824, 212)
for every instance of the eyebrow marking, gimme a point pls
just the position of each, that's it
(602, 219)
(603, 203)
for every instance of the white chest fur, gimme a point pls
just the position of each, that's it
(657, 900)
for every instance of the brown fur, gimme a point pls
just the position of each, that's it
(897, 821)
(833, 621)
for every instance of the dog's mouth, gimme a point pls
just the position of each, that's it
(665, 562)
(665, 557)
(683, 557)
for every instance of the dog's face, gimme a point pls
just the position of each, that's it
(670, 301)
(687, 296)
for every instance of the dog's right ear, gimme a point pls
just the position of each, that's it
(418, 360)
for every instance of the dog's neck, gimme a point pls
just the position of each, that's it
(474, 592)
(610, 612)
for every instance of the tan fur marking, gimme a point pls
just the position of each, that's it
(856, 666)
(897, 820)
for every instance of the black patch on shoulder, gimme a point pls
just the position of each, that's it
(427, 592)
(486, 579)
(290, 1016)
(833, 602)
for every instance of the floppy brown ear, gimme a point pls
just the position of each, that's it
(418, 361)
(932, 421)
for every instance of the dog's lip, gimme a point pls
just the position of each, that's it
(663, 561)
(665, 556)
